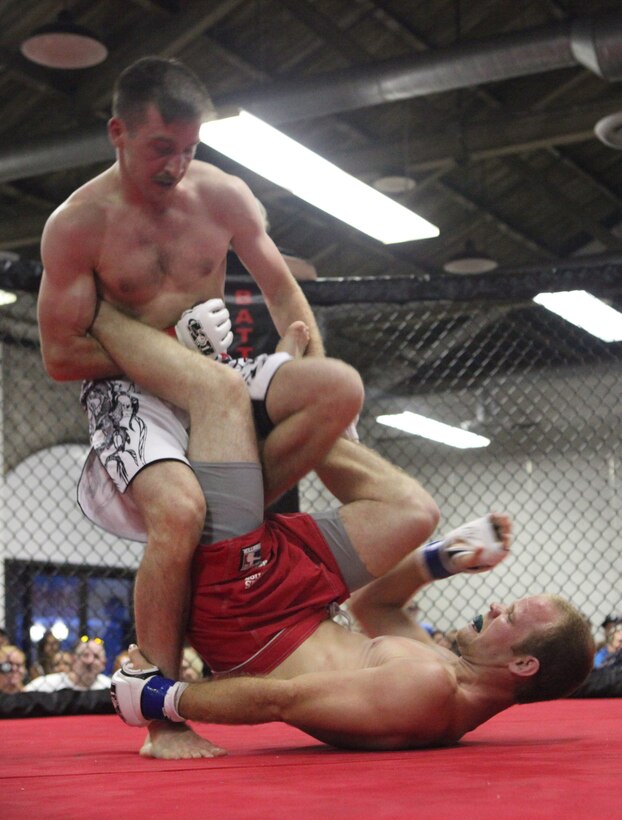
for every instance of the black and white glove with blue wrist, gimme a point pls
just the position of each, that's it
(142, 695)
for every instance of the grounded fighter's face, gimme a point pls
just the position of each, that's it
(489, 638)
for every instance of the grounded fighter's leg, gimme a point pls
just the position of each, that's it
(386, 512)
(310, 401)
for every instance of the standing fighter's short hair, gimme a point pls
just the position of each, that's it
(172, 87)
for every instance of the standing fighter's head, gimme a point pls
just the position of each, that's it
(157, 109)
(542, 641)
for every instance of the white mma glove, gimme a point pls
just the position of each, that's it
(206, 327)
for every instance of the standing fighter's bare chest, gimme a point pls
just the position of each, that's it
(140, 257)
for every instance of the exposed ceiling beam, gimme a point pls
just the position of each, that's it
(504, 134)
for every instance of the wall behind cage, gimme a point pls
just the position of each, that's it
(546, 395)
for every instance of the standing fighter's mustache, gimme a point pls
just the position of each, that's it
(165, 180)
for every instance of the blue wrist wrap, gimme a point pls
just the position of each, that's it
(152, 697)
(433, 560)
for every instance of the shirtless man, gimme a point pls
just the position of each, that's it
(150, 235)
(263, 591)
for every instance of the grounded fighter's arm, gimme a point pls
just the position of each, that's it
(480, 545)
(395, 705)
(68, 297)
(381, 606)
(260, 256)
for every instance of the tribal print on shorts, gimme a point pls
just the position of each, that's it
(117, 432)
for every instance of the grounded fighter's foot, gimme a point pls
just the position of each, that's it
(177, 741)
(474, 547)
(295, 340)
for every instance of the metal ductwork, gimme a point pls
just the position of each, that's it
(593, 42)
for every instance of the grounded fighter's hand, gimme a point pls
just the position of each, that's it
(474, 547)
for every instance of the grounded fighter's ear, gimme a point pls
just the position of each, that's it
(524, 666)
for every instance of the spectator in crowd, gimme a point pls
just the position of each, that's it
(47, 648)
(120, 660)
(609, 625)
(63, 661)
(4, 637)
(12, 669)
(605, 681)
(88, 663)
(439, 637)
(612, 650)
(453, 641)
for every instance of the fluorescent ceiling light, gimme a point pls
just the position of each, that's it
(266, 151)
(585, 311)
(7, 298)
(436, 430)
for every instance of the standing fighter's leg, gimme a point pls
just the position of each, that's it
(169, 495)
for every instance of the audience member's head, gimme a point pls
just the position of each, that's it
(610, 624)
(89, 661)
(12, 669)
(47, 648)
(439, 637)
(4, 637)
(614, 642)
(121, 658)
(62, 661)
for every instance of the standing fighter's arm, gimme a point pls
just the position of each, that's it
(260, 256)
(68, 297)
(398, 704)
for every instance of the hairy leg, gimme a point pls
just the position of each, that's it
(169, 496)
(311, 401)
(386, 512)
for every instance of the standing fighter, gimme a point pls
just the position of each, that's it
(150, 236)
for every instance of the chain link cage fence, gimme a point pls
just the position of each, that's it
(477, 354)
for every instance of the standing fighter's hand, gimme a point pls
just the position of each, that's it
(206, 327)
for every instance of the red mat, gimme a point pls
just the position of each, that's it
(555, 760)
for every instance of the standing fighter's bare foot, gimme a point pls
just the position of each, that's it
(295, 340)
(177, 741)
(172, 741)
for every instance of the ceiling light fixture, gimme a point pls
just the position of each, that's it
(64, 44)
(584, 310)
(270, 153)
(470, 260)
(7, 298)
(609, 130)
(418, 425)
(396, 185)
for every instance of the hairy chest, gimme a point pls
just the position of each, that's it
(141, 259)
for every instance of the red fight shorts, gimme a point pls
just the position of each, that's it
(257, 597)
